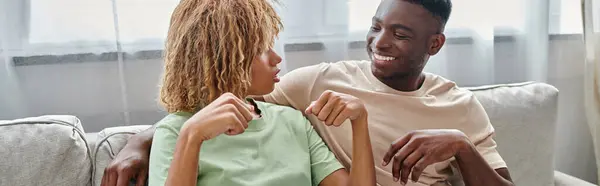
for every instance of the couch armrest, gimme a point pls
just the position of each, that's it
(109, 142)
(562, 179)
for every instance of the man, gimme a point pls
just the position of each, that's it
(430, 123)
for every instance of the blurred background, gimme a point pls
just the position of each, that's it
(100, 60)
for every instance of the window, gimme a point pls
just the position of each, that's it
(38, 27)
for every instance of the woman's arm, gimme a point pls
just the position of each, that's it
(333, 109)
(226, 115)
(184, 167)
(362, 170)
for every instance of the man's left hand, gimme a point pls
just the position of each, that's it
(419, 149)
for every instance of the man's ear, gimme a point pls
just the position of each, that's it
(437, 41)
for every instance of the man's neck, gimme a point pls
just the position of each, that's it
(407, 83)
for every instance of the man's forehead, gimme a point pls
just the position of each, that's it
(396, 11)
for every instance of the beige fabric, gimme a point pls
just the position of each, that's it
(591, 17)
(439, 103)
(46, 150)
(109, 142)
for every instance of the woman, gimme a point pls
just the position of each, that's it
(217, 52)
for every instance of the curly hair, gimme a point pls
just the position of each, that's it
(210, 47)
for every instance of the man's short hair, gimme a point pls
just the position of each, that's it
(439, 8)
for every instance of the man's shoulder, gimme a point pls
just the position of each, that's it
(440, 86)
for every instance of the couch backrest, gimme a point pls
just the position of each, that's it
(524, 116)
(46, 150)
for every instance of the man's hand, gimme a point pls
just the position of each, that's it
(419, 149)
(334, 108)
(130, 163)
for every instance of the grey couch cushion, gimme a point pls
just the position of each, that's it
(524, 116)
(109, 142)
(46, 150)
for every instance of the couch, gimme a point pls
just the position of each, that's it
(55, 150)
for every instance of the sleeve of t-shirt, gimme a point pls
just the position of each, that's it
(295, 87)
(322, 160)
(481, 132)
(161, 153)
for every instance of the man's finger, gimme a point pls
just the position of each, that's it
(104, 181)
(321, 102)
(123, 179)
(112, 178)
(399, 160)
(396, 145)
(408, 164)
(419, 167)
(328, 108)
(141, 179)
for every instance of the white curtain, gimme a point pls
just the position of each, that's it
(100, 59)
(591, 15)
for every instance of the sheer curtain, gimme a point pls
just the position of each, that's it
(591, 14)
(101, 59)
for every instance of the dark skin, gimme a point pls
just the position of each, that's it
(410, 34)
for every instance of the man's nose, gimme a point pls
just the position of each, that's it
(382, 41)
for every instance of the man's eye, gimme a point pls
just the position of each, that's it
(400, 36)
(373, 28)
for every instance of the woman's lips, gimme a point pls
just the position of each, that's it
(276, 77)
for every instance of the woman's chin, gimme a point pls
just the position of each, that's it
(262, 91)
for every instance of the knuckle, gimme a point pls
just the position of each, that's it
(406, 164)
(417, 168)
(123, 167)
(229, 107)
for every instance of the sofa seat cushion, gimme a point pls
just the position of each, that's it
(108, 144)
(45, 150)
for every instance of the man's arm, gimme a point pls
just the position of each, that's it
(476, 171)
(131, 162)
(419, 149)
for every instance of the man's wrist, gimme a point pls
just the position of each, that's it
(140, 140)
(465, 148)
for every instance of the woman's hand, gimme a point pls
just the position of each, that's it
(333, 108)
(226, 115)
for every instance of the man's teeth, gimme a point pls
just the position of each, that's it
(384, 58)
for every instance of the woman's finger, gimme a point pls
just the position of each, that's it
(332, 102)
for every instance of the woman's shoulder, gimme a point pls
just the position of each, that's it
(174, 120)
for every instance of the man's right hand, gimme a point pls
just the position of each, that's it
(130, 163)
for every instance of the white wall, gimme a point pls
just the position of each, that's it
(91, 91)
